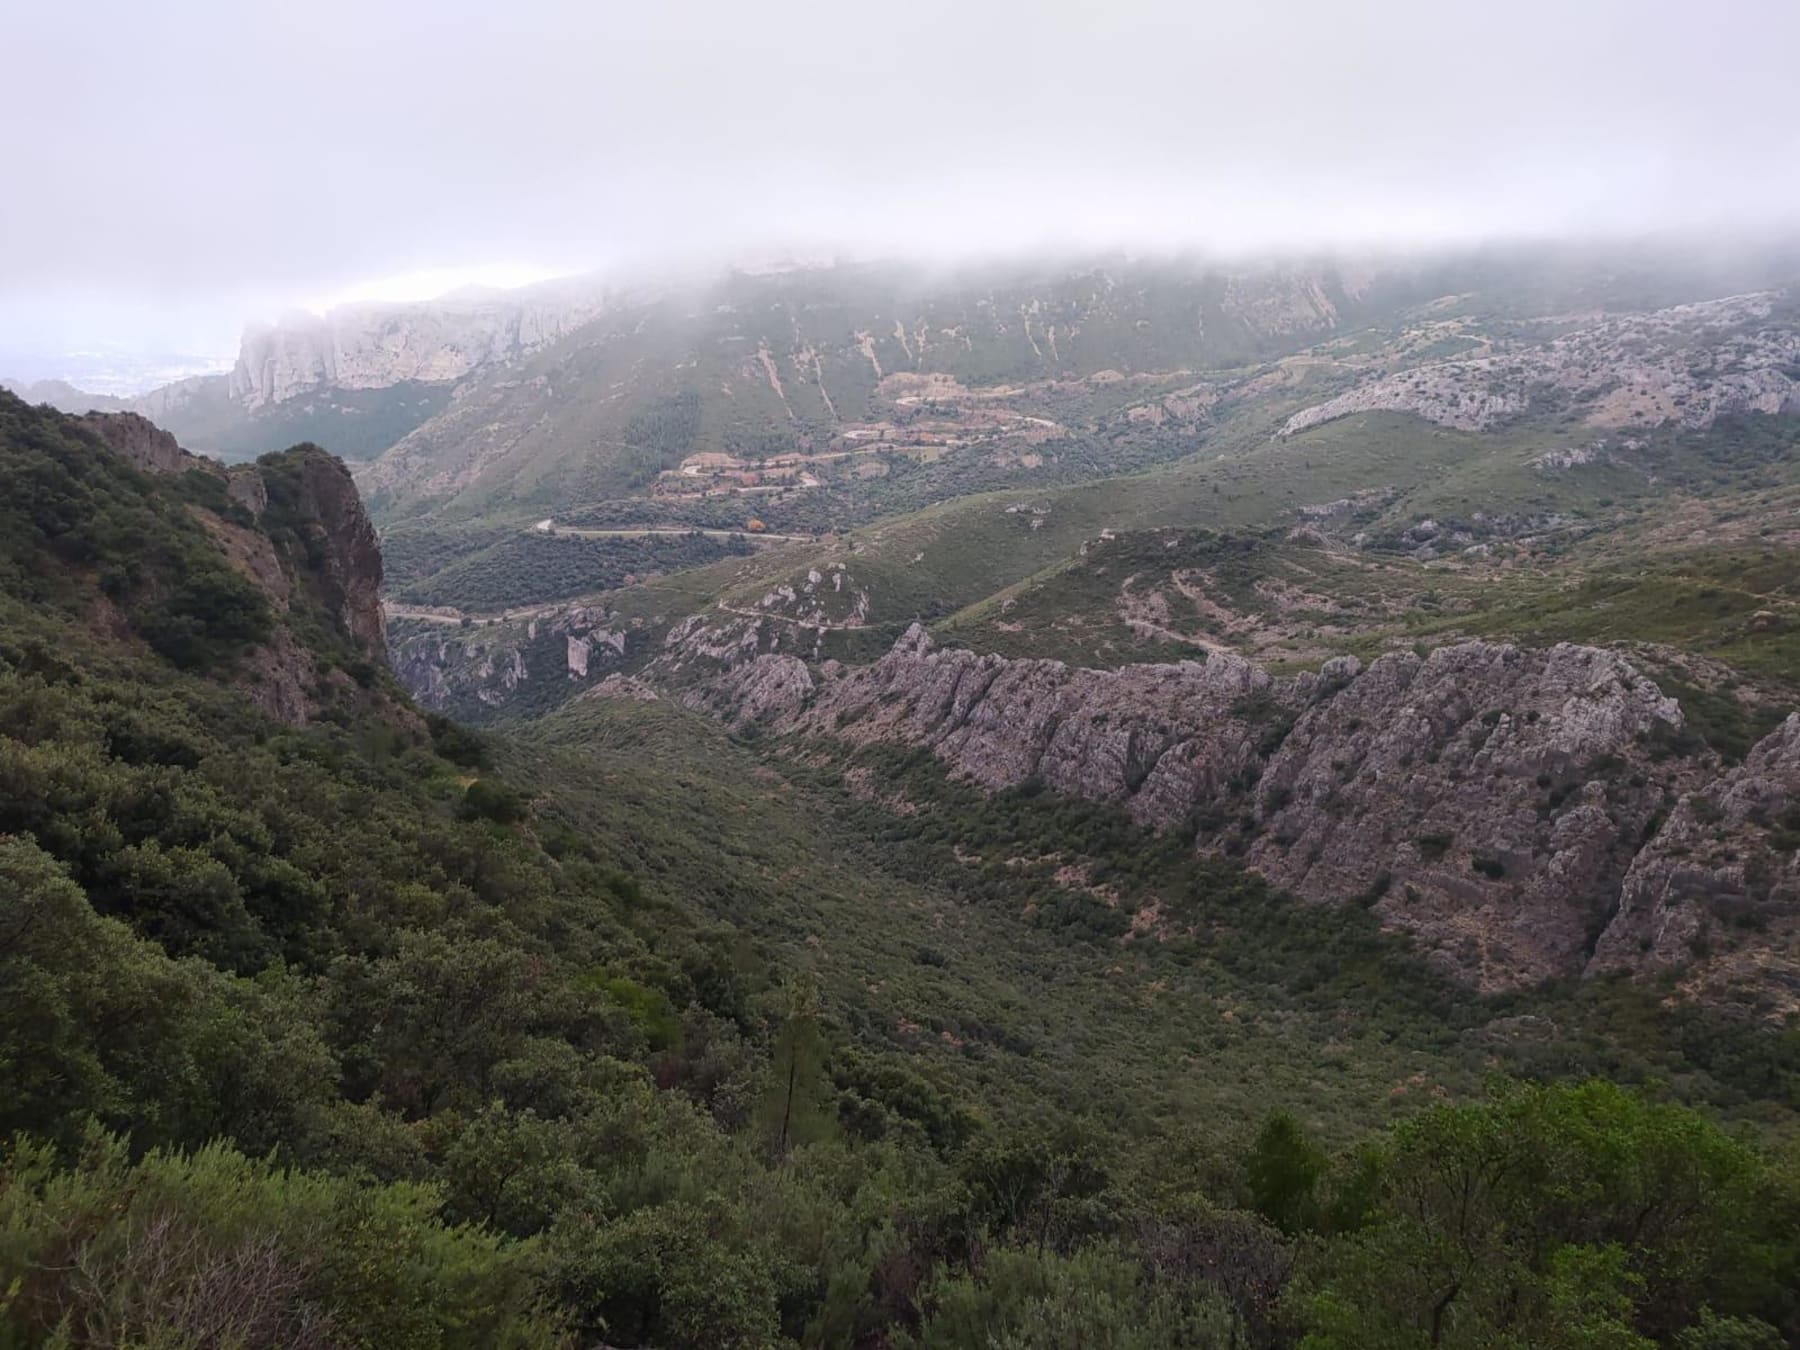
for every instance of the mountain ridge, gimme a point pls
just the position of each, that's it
(357, 376)
(1494, 802)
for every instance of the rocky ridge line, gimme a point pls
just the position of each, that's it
(1688, 365)
(341, 566)
(1503, 805)
(377, 346)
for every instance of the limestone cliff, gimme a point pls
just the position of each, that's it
(343, 546)
(1721, 879)
(376, 346)
(1493, 801)
(466, 670)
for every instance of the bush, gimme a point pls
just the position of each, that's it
(485, 799)
(211, 1248)
(1435, 845)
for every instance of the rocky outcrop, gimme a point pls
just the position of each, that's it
(281, 678)
(377, 346)
(1487, 798)
(336, 566)
(442, 667)
(171, 400)
(139, 440)
(1158, 739)
(623, 688)
(1717, 891)
(344, 547)
(771, 688)
(485, 665)
(247, 488)
(1470, 396)
(1491, 800)
(1688, 365)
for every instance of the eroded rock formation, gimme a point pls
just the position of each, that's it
(1689, 365)
(376, 346)
(1501, 804)
(139, 440)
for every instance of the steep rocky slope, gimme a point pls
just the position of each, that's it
(446, 665)
(1688, 364)
(376, 346)
(1722, 877)
(290, 525)
(141, 441)
(1504, 805)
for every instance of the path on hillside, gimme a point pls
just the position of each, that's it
(453, 617)
(673, 531)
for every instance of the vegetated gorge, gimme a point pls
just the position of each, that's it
(1123, 806)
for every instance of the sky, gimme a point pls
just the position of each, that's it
(175, 170)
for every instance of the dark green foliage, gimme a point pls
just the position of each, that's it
(669, 428)
(1558, 1217)
(1101, 1296)
(456, 743)
(1284, 1172)
(529, 567)
(1261, 709)
(1713, 1332)
(209, 613)
(411, 551)
(72, 509)
(1712, 719)
(485, 799)
(640, 1036)
(1434, 846)
(213, 1248)
(795, 1108)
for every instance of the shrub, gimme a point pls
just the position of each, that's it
(485, 799)
(1435, 845)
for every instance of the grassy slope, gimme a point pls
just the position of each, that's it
(934, 920)
(930, 564)
(1737, 602)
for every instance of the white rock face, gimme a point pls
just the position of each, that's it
(376, 346)
(172, 399)
(1488, 799)
(1690, 364)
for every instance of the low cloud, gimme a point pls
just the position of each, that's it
(193, 163)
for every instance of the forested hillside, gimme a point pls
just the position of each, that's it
(324, 1022)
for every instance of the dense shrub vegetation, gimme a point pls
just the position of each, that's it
(379, 1033)
(529, 568)
(74, 514)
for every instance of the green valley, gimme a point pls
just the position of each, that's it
(829, 820)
